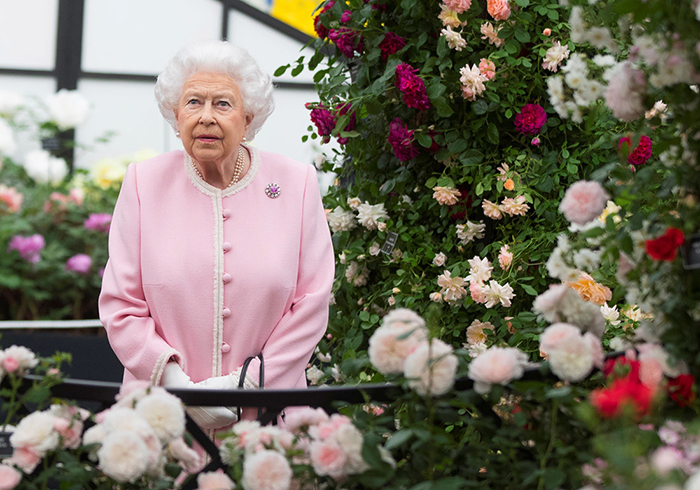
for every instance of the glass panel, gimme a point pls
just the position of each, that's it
(134, 36)
(28, 34)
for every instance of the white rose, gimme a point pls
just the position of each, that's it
(440, 259)
(314, 375)
(375, 249)
(36, 432)
(43, 168)
(165, 415)
(123, 456)
(354, 203)
(341, 220)
(572, 359)
(10, 102)
(350, 439)
(431, 368)
(68, 109)
(390, 345)
(369, 215)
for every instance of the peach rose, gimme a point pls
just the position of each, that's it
(498, 9)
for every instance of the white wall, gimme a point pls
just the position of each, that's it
(28, 34)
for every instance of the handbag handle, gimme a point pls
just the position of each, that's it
(261, 382)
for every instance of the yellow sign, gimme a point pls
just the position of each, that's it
(296, 13)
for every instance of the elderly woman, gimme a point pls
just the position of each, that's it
(220, 252)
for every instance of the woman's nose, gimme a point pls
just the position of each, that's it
(207, 114)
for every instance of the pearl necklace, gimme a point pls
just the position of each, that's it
(236, 171)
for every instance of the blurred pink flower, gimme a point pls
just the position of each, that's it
(505, 257)
(487, 68)
(9, 477)
(98, 222)
(459, 6)
(498, 365)
(11, 198)
(79, 263)
(28, 247)
(490, 34)
(583, 202)
(547, 32)
(214, 480)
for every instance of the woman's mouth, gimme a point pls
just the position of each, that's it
(207, 138)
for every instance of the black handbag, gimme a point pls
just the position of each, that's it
(261, 384)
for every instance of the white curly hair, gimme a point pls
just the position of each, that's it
(217, 57)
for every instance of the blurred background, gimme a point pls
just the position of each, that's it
(112, 50)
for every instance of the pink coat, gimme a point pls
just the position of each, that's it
(209, 277)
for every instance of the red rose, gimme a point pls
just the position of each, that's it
(639, 155)
(612, 401)
(666, 246)
(391, 44)
(680, 389)
(321, 30)
(622, 367)
(530, 119)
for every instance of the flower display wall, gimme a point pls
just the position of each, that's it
(53, 226)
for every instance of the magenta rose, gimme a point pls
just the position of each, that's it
(412, 87)
(28, 247)
(401, 140)
(639, 155)
(324, 121)
(391, 44)
(321, 30)
(79, 264)
(345, 18)
(346, 40)
(531, 119)
(98, 222)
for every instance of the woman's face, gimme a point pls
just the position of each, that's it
(211, 117)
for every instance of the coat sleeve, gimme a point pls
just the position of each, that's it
(291, 343)
(124, 311)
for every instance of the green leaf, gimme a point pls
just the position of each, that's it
(280, 71)
(432, 181)
(424, 140)
(458, 146)
(522, 35)
(364, 316)
(398, 438)
(492, 134)
(436, 90)
(563, 392)
(443, 108)
(297, 69)
(445, 182)
(480, 107)
(471, 157)
(529, 289)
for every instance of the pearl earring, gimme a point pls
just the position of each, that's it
(177, 133)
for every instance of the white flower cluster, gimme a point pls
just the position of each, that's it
(454, 39)
(43, 168)
(7, 139)
(42, 432)
(670, 64)
(368, 215)
(68, 109)
(17, 360)
(401, 345)
(571, 354)
(599, 37)
(135, 437)
(470, 231)
(331, 445)
(560, 303)
(341, 220)
(10, 103)
(355, 275)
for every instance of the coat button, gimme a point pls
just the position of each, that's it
(226, 277)
(226, 213)
(226, 312)
(225, 347)
(227, 247)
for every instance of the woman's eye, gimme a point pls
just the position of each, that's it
(192, 101)
(223, 103)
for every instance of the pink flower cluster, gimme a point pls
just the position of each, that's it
(583, 202)
(512, 206)
(29, 247)
(412, 87)
(459, 6)
(17, 360)
(391, 44)
(41, 432)
(10, 197)
(530, 119)
(79, 264)
(98, 222)
(640, 154)
(61, 201)
(401, 140)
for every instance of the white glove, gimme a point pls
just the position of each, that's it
(205, 417)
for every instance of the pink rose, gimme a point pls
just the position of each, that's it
(11, 198)
(25, 458)
(9, 477)
(79, 264)
(476, 292)
(459, 6)
(214, 480)
(555, 335)
(547, 32)
(305, 417)
(266, 469)
(98, 222)
(487, 68)
(328, 458)
(29, 247)
(583, 202)
(498, 9)
(498, 365)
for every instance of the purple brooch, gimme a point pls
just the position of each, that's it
(273, 190)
